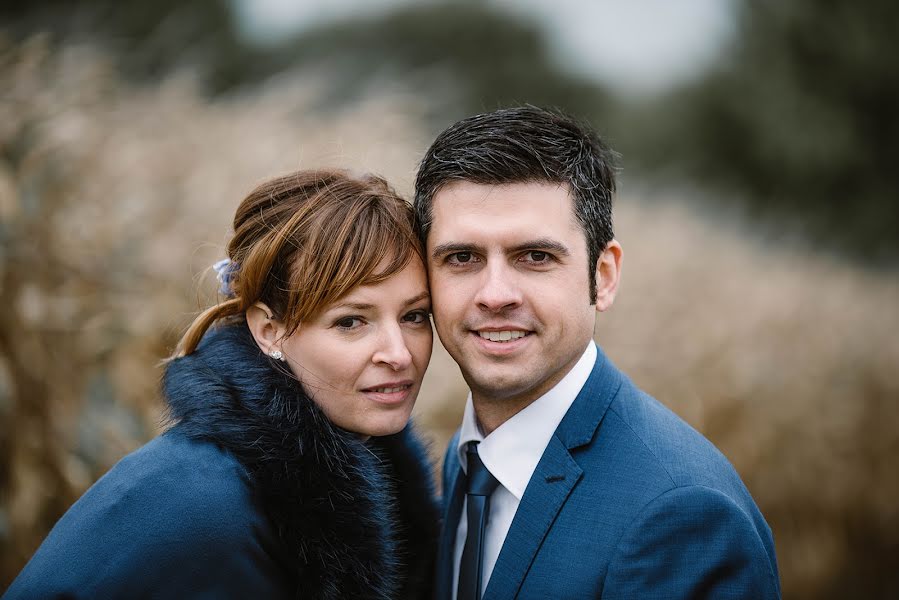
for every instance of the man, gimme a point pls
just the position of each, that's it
(565, 480)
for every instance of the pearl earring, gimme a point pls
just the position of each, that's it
(276, 354)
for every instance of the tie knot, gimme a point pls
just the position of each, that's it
(480, 481)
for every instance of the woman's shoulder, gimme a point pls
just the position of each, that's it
(174, 469)
(174, 454)
(171, 503)
(172, 488)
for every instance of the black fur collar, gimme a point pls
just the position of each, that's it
(357, 520)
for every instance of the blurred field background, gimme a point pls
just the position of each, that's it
(758, 212)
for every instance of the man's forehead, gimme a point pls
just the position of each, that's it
(484, 190)
(502, 216)
(473, 204)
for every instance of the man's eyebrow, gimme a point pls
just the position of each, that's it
(450, 247)
(548, 244)
(543, 244)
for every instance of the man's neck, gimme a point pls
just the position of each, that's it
(493, 412)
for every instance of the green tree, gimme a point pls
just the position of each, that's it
(466, 57)
(800, 119)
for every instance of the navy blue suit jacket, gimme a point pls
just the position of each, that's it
(628, 501)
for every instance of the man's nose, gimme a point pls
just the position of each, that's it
(392, 348)
(499, 288)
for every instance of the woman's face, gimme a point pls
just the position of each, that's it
(363, 358)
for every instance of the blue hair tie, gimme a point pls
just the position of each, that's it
(225, 270)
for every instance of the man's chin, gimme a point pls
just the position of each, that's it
(499, 387)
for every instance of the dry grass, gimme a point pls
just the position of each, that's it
(114, 199)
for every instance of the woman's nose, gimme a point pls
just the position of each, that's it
(392, 349)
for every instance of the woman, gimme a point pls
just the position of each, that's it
(289, 471)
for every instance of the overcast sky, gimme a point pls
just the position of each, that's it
(633, 45)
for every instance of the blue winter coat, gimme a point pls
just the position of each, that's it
(253, 493)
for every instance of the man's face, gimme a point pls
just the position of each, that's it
(509, 286)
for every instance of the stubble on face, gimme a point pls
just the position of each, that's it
(509, 258)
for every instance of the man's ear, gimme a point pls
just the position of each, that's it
(608, 274)
(266, 329)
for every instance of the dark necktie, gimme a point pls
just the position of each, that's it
(479, 486)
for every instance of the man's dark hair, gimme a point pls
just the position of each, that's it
(519, 145)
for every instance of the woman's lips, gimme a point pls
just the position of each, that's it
(394, 392)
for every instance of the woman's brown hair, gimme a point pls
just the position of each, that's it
(305, 240)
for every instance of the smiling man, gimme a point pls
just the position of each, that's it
(564, 480)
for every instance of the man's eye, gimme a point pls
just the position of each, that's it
(460, 257)
(536, 256)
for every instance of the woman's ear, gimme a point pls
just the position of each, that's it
(266, 329)
(608, 274)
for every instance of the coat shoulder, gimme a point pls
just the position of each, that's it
(669, 463)
(691, 538)
(172, 502)
(666, 493)
(181, 484)
(668, 442)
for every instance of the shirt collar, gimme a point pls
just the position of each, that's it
(511, 452)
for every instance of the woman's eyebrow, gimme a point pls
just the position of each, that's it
(422, 296)
(353, 305)
(369, 306)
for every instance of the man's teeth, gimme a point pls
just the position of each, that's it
(390, 390)
(501, 336)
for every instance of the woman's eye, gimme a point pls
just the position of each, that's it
(418, 316)
(348, 323)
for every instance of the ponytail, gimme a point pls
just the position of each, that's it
(195, 332)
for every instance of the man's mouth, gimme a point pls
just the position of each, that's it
(503, 336)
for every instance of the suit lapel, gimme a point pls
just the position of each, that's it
(552, 482)
(550, 485)
(451, 513)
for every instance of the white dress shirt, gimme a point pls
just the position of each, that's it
(511, 453)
